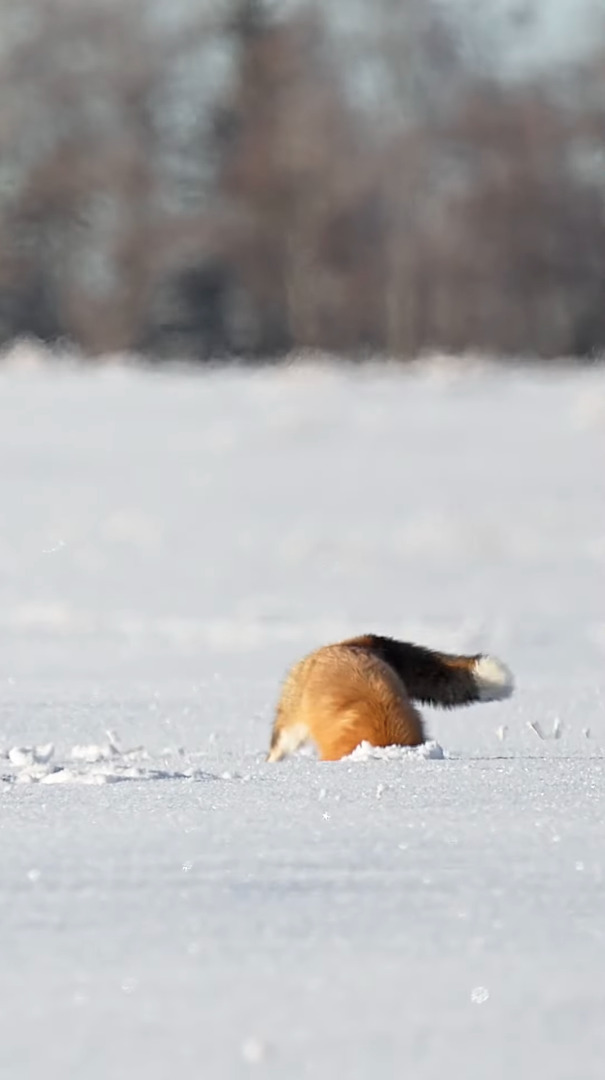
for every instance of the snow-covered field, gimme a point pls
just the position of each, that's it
(169, 542)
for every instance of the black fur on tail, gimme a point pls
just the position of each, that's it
(433, 678)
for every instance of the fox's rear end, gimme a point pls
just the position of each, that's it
(363, 689)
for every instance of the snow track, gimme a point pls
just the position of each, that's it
(104, 763)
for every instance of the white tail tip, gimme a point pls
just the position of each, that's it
(493, 679)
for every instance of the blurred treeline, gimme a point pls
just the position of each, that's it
(209, 179)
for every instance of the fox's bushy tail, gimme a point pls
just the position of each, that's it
(438, 678)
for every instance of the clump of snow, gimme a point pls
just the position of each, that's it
(26, 756)
(103, 763)
(108, 751)
(92, 753)
(430, 750)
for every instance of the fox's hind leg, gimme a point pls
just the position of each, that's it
(286, 738)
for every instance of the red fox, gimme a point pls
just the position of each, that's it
(363, 689)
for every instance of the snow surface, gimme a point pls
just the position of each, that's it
(170, 541)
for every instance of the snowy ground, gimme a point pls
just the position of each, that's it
(169, 542)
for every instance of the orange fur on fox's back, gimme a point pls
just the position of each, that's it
(362, 690)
